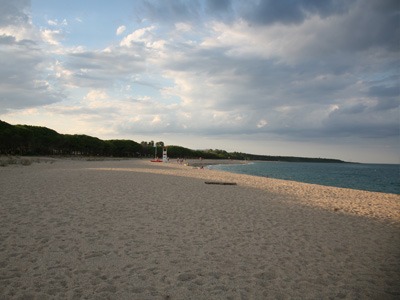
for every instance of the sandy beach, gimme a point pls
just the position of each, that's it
(132, 229)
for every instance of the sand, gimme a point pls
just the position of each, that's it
(132, 229)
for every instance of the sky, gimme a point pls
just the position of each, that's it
(311, 78)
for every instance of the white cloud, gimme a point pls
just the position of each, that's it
(183, 27)
(142, 35)
(55, 22)
(156, 120)
(52, 36)
(262, 123)
(94, 95)
(28, 78)
(120, 30)
(277, 41)
(52, 22)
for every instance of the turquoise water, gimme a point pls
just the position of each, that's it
(368, 177)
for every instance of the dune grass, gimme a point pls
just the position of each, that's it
(23, 161)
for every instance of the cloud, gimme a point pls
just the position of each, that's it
(21, 86)
(120, 30)
(309, 70)
(25, 81)
(361, 121)
(219, 6)
(142, 36)
(383, 91)
(264, 67)
(262, 123)
(94, 95)
(165, 11)
(52, 36)
(288, 12)
(57, 23)
(52, 22)
(14, 13)
(183, 27)
(96, 69)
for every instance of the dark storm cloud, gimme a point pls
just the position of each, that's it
(256, 12)
(290, 11)
(384, 91)
(7, 40)
(219, 6)
(14, 12)
(171, 11)
(221, 10)
(388, 104)
(373, 23)
(363, 123)
(370, 22)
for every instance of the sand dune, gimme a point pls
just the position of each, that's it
(140, 230)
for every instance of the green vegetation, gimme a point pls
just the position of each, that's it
(34, 140)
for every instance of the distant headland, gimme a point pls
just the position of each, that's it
(36, 140)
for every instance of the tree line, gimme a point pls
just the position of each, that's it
(36, 140)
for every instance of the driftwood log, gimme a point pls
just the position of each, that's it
(220, 183)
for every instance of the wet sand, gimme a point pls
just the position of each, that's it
(132, 229)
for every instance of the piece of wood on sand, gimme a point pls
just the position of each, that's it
(220, 182)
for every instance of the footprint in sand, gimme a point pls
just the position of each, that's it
(186, 277)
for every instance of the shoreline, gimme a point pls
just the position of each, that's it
(123, 229)
(211, 162)
(280, 187)
(384, 206)
(356, 186)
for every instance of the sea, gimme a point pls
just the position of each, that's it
(383, 178)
